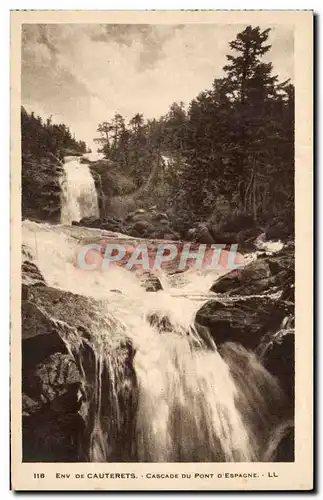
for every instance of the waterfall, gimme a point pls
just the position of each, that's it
(161, 396)
(79, 196)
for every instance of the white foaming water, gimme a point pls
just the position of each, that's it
(190, 404)
(268, 246)
(79, 196)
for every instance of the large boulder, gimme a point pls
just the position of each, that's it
(244, 321)
(267, 273)
(252, 279)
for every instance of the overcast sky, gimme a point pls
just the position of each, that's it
(83, 74)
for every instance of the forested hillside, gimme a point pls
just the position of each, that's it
(230, 153)
(38, 137)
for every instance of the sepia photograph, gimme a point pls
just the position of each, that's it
(157, 251)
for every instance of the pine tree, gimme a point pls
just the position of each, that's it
(249, 80)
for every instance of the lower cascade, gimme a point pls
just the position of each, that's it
(152, 391)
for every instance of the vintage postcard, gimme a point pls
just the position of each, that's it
(161, 243)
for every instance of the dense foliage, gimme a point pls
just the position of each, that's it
(231, 152)
(38, 138)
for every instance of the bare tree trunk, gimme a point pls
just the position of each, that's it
(255, 194)
(246, 204)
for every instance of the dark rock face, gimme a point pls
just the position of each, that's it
(277, 352)
(61, 375)
(41, 191)
(51, 385)
(244, 321)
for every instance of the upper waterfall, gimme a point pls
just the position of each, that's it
(79, 196)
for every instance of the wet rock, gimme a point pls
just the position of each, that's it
(25, 252)
(160, 321)
(31, 274)
(151, 282)
(244, 321)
